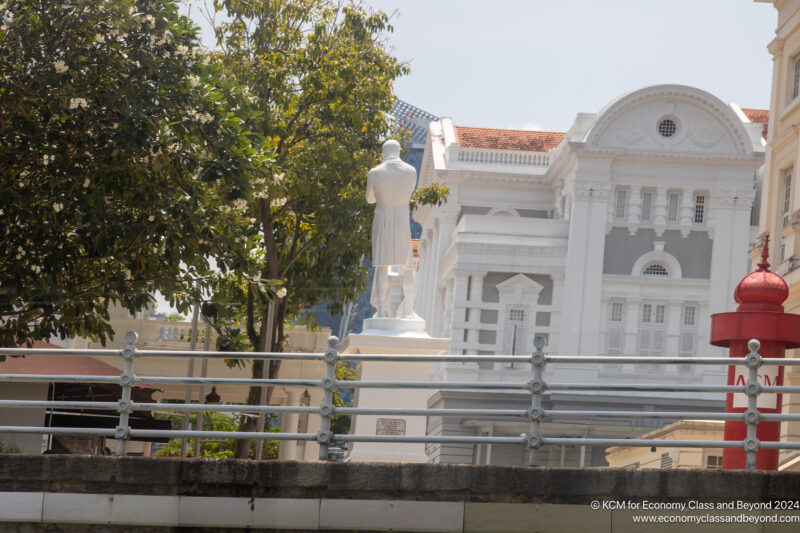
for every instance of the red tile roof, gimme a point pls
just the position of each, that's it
(758, 115)
(523, 140)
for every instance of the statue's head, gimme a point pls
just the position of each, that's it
(391, 149)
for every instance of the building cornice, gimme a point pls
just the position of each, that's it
(629, 153)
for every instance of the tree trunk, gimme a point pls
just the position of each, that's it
(250, 423)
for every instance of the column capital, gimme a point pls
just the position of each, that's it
(448, 213)
(776, 47)
(292, 396)
(592, 190)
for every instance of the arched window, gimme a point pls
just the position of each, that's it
(655, 269)
(657, 264)
(503, 212)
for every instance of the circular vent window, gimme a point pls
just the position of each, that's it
(667, 127)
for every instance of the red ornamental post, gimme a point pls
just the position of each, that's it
(759, 315)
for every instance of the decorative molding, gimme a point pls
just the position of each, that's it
(591, 190)
(630, 131)
(658, 255)
(776, 46)
(519, 290)
(733, 198)
(689, 95)
(649, 154)
(703, 134)
(448, 213)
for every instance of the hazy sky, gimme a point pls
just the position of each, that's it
(536, 64)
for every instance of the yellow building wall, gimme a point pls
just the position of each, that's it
(783, 156)
(634, 457)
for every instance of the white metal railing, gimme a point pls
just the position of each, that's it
(326, 410)
(504, 157)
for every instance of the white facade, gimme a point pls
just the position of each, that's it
(581, 242)
(620, 238)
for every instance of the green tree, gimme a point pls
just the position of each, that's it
(316, 85)
(116, 152)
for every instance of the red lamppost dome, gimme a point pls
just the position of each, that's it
(762, 290)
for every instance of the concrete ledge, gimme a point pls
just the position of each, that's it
(376, 481)
(106, 513)
(83, 494)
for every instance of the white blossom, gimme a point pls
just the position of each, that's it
(281, 293)
(58, 207)
(86, 183)
(182, 50)
(278, 202)
(60, 67)
(75, 103)
(194, 81)
(100, 38)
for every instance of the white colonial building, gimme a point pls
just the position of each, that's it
(620, 237)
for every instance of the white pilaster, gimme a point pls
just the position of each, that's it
(729, 251)
(660, 211)
(474, 317)
(584, 269)
(635, 205)
(630, 346)
(444, 227)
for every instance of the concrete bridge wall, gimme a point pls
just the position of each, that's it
(155, 495)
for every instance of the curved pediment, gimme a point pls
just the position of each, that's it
(670, 118)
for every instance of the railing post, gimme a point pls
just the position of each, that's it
(752, 415)
(536, 386)
(122, 431)
(326, 410)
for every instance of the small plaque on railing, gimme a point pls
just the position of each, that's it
(391, 426)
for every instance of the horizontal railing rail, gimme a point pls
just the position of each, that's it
(536, 387)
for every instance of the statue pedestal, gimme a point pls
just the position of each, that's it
(383, 336)
(395, 327)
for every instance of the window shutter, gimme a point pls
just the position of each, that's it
(666, 461)
(644, 342)
(614, 340)
(674, 204)
(687, 343)
(620, 204)
(647, 206)
(657, 349)
(699, 208)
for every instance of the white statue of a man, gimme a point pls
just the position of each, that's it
(390, 186)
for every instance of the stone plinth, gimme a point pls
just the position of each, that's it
(379, 337)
